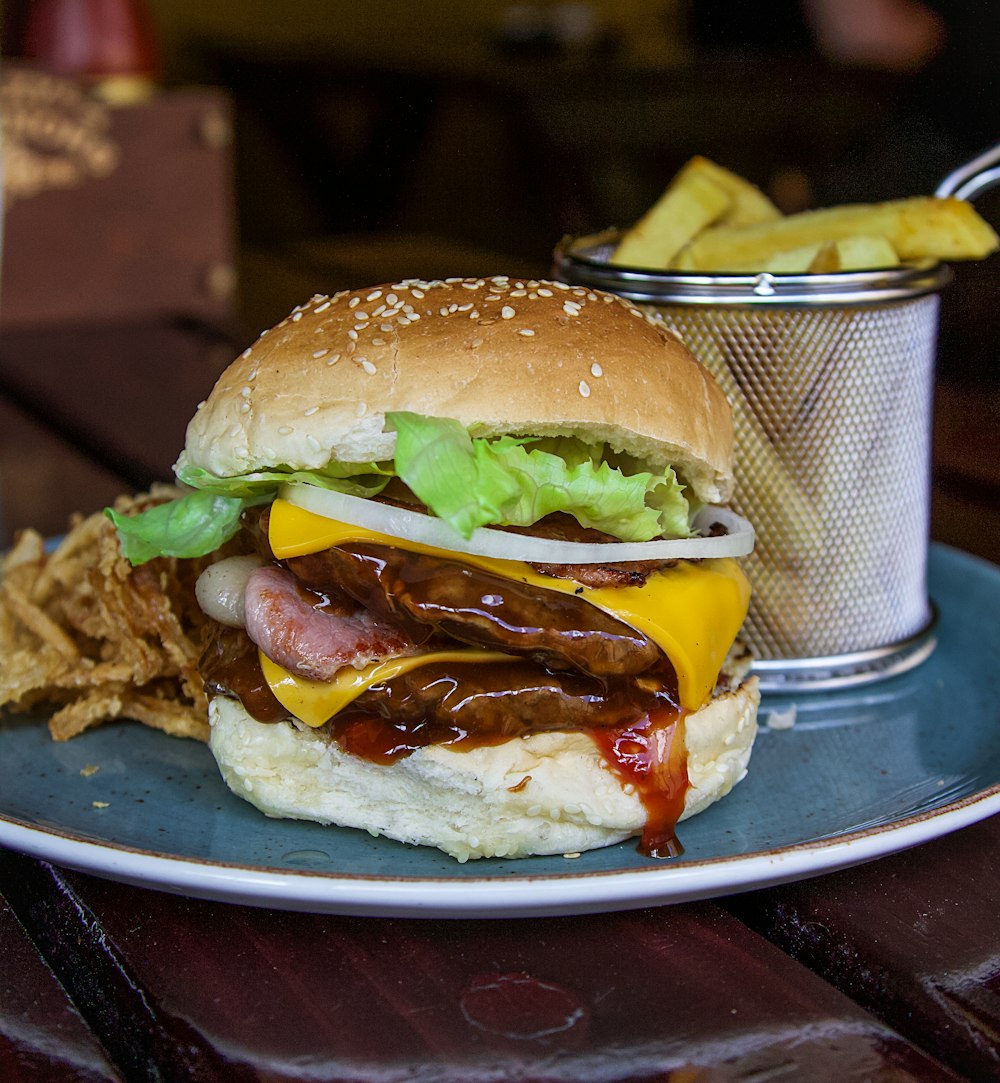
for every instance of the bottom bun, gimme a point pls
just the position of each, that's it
(549, 793)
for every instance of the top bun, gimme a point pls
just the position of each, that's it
(502, 356)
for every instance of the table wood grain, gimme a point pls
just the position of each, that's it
(914, 938)
(207, 991)
(42, 1035)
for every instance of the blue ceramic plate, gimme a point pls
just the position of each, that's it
(860, 775)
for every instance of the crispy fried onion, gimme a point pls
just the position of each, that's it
(88, 637)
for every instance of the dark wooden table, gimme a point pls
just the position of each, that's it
(890, 971)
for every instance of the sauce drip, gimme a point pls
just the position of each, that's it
(230, 666)
(651, 756)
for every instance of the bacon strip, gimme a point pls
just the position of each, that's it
(311, 641)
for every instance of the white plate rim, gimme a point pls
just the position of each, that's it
(525, 895)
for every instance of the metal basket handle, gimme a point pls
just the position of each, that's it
(967, 181)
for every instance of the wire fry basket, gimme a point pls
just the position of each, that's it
(830, 378)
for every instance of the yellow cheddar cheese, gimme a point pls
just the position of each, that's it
(692, 610)
(314, 702)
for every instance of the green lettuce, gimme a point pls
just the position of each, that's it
(469, 482)
(199, 522)
(472, 482)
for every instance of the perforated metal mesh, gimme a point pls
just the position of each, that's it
(832, 413)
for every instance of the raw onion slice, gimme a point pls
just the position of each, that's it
(416, 526)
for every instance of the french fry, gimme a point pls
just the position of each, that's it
(796, 261)
(691, 202)
(859, 253)
(917, 228)
(747, 203)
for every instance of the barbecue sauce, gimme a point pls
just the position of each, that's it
(640, 732)
(230, 666)
(651, 756)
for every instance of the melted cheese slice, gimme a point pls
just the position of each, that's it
(314, 702)
(692, 610)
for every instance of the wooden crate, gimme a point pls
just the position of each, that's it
(115, 213)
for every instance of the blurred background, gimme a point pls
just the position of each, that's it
(220, 162)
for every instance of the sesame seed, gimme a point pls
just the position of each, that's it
(385, 326)
(414, 316)
(526, 331)
(297, 317)
(245, 392)
(541, 293)
(323, 307)
(378, 341)
(464, 308)
(444, 312)
(374, 295)
(368, 366)
(519, 293)
(418, 293)
(317, 354)
(476, 343)
(246, 353)
(361, 315)
(245, 408)
(312, 410)
(352, 335)
(507, 312)
(354, 302)
(252, 374)
(584, 389)
(333, 360)
(286, 430)
(312, 442)
(392, 299)
(596, 370)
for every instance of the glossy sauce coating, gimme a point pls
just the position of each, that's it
(480, 608)
(634, 719)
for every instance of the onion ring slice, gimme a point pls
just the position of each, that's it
(416, 526)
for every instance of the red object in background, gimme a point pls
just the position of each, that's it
(91, 39)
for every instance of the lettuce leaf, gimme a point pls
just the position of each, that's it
(199, 522)
(191, 526)
(472, 482)
(469, 482)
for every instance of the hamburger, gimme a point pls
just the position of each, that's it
(473, 584)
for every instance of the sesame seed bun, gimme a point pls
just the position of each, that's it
(549, 793)
(501, 356)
